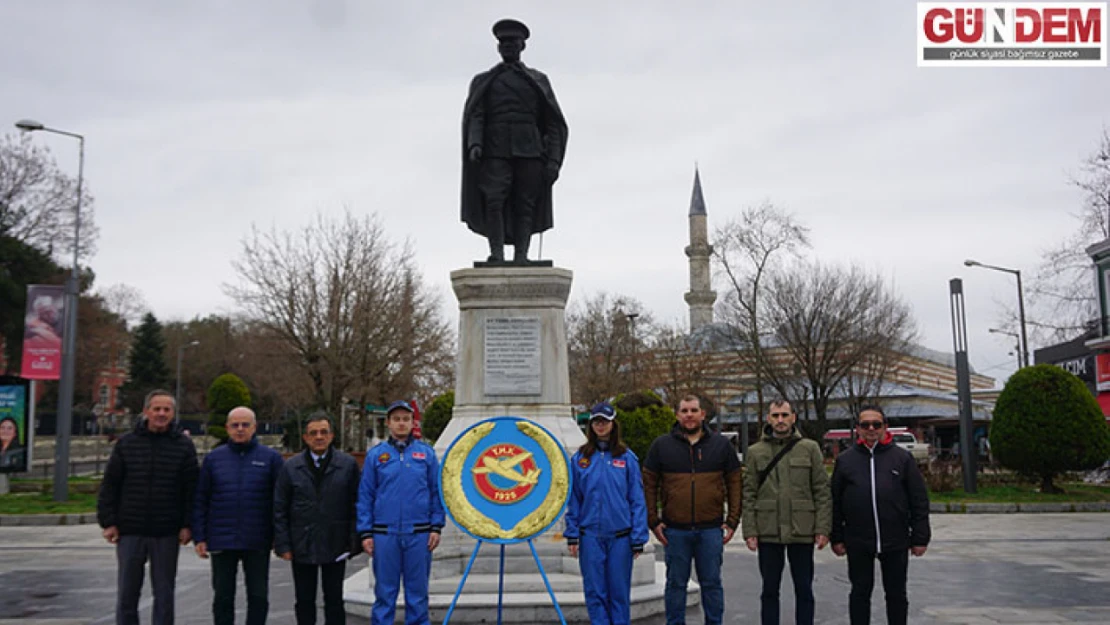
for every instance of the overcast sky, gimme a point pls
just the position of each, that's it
(202, 121)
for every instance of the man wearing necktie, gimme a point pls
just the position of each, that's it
(514, 139)
(314, 520)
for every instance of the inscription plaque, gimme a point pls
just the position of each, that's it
(512, 356)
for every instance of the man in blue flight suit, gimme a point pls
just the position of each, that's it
(400, 517)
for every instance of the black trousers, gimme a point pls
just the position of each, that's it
(256, 572)
(861, 571)
(132, 553)
(772, 559)
(513, 185)
(304, 584)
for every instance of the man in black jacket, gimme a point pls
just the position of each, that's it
(314, 520)
(880, 511)
(145, 507)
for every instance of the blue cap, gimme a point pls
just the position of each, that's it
(603, 410)
(400, 404)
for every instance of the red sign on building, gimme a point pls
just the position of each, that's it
(1102, 371)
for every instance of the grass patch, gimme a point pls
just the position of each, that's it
(1025, 493)
(71, 479)
(43, 503)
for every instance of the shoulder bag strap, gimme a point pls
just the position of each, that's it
(766, 472)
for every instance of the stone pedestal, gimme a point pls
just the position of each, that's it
(512, 361)
(534, 299)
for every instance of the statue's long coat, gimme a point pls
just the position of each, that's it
(555, 133)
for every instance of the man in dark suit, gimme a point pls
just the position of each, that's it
(314, 520)
(514, 139)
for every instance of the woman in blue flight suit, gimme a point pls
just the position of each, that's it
(606, 520)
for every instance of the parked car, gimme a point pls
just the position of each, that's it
(838, 440)
(909, 442)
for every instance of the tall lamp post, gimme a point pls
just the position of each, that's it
(69, 346)
(177, 389)
(635, 348)
(1016, 338)
(1024, 352)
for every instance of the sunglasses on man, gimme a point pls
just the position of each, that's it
(871, 425)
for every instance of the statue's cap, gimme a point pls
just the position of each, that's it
(510, 28)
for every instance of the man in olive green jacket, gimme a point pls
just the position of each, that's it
(786, 514)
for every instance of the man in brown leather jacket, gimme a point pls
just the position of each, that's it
(691, 474)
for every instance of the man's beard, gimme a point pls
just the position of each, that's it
(692, 430)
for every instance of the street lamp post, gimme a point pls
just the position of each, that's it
(177, 389)
(635, 348)
(1016, 338)
(1024, 352)
(69, 347)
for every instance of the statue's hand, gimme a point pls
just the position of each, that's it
(551, 172)
(475, 154)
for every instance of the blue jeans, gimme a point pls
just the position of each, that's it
(772, 559)
(706, 548)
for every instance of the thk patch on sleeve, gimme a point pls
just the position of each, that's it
(618, 463)
(419, 455)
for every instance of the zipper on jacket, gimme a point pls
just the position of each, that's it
(150, 482)
(875, 506)
(693, 506)
(239, 496)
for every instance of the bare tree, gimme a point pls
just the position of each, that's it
(866, 382)
(834, 323)
(605, 344)
(350, 304)
(1063, 302)
(746, 251)
(125, 301)
(678, 366)
(37, 200)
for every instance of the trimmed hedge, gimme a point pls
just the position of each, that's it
(1046, 422)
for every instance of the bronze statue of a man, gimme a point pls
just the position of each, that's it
(514, 138)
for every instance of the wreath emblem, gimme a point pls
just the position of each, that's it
(506, 474)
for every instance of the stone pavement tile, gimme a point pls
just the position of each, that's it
(1093, 614)
(1049, 566)
(995, 615)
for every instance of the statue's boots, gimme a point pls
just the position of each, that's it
(521, 241)
(496, 240)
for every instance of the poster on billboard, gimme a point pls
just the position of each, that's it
(1102, 372)
(14, 404)
(42, 332)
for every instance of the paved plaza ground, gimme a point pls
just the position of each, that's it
(981, 569)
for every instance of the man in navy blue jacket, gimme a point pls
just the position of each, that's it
(400, 517)
(233, 517)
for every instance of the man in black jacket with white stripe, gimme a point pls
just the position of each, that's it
(880, 511)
